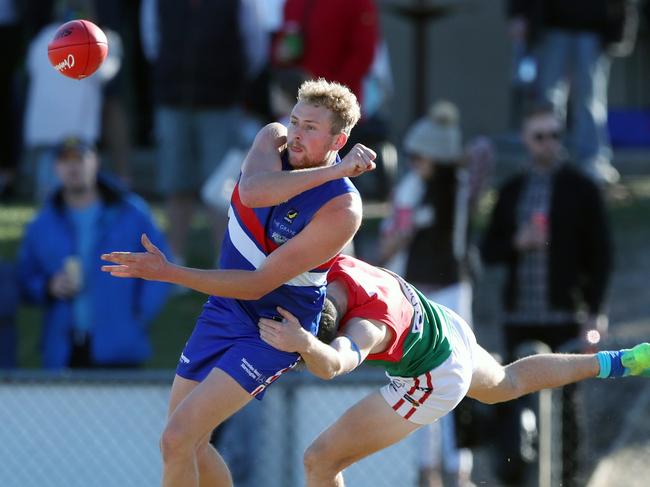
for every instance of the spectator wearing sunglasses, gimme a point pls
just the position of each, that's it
(549, 228)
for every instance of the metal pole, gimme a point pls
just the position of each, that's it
(421, 58)
(420, 13)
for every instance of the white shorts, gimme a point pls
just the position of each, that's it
(428, 397)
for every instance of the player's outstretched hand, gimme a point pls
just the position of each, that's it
(150, 265)
(286, 335)
(360, 159)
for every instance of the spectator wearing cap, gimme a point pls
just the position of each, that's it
(425, 238)
(89, 319)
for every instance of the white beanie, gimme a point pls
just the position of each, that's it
(437, 135)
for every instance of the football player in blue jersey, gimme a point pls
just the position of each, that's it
(291, 212)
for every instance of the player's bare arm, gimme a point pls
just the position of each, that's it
(344, 354)
(318, 242)
(263, 183)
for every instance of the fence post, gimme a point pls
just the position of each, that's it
(545, 423)
(291, 439)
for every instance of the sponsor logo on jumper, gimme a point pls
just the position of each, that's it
(252, 372)
(425, 389)
(411, 295)
(291, 215)
(283, 228)
(418, 322)
(184, 359)
(279, 239)
(67, 63)
(418, 318)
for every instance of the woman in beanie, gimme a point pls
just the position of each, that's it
(425, 240)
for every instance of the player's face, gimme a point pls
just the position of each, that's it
(77, 172)
(310, 141)
(542, 136)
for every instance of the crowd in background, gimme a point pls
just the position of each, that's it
(194, 81)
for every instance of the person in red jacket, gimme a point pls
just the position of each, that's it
(333, 39)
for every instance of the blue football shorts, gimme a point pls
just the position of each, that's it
(223, 340)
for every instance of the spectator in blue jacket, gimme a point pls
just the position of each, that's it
(90, 319)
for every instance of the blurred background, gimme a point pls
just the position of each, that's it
(159, 133)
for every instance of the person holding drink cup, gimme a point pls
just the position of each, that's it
(549, 227)
(59, 267)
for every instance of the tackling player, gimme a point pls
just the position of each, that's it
(430, 355)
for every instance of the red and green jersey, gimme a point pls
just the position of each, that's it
(420, 342)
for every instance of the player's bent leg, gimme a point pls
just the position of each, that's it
(213, 470)
(365, 428)
(181, 387)
(206, 406)
(210, 464)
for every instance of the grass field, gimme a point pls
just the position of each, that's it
(630, 215)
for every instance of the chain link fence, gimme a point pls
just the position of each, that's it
(102, 429)
(81, 429)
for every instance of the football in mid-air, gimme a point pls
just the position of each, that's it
(78, 48)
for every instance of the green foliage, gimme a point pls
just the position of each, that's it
(12, 224)
(173, 327)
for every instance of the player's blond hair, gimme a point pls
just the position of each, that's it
(337, 98)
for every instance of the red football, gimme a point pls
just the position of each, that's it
(79, 47)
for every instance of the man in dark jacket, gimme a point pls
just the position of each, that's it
(90, 320)
(549, 227)
(573, 41)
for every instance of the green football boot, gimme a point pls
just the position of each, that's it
(636, 360)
